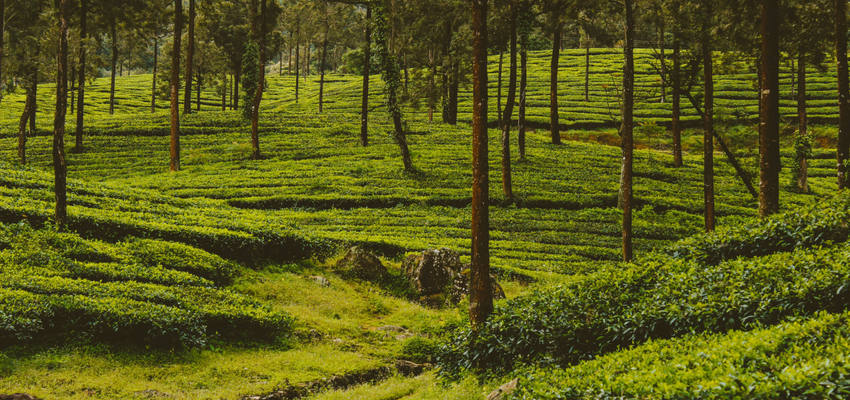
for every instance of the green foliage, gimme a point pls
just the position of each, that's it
(250, 77)
(660, 297)
(180, 257)
(419, 350)
(802, 152)
(807, 359)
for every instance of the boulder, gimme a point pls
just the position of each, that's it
(17, 396)
(504, 391)
(361, 264)
(460, 287)
(432, 271)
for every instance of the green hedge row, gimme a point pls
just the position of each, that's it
(658, 297)
(808, 359)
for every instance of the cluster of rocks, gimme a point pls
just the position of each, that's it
(437, 276)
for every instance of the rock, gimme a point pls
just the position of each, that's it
(151, 394)
(431, 271)
(361, 264)
(503, 391)
(460, 287)
(392, 328)
(321, 281)
(410, 368)
(17, 396)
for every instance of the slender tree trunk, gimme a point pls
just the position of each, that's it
(843, 94)
(175, 86)
(769, 138)
(2, 42)
(523, 86)
(60, 167)
(393, 81)
(297, 69)
(260, 32)
(587, 73)
(34, 109)
(230, 90)
(155, 69)
(22, 127)
(675, 124)
(708, 118)
(454, 86)
(236, 81)
(114, 35)
(367, 66)
(289, 60)
(553, 83)
(280, 65)
(73, 77)
(198, 90)
(322, 68)
(802, 115)
(81, 86)
(481, 297)
(309, 55)
(627, 130)
(507, 186)
(499, 86)
(190, 57)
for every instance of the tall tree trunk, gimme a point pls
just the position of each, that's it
(802, 115)
(34, 93)
(81, 86)
(309, 55)
(198, 90)
(236, 81)
(2, 42)
(22, 127)
(322, 68)
(73, 77)
(367, 65)
(392, 81)
(60, 168)
(289, 60)
(553, 82)
(114, 35)
(432, 84)
(297, 69)
(523, 86)
(675, 124)
(843, 153)
(587, 73)
(155, 68)
(708, 118)
(499, 86)
(481, 297)
(259, 28)
(769, 137)
(454, 86)
(507, 186)
(175, 86)
(280, 65)
(627, 130)
(190, 57)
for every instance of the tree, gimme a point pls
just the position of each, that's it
(481, 297)
(258, 28)
(250, 77)
(555, 16)
(524, 30)
(175, 86)
(59, 165)
(708, 117)
(509, 107)
(627, 129)
(81, 79)
(843, 93)
(322, 64)
(367, 64)
(2, 43)
(769, 161)
(190, 57)
(392, 82)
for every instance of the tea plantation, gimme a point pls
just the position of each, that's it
(218, 281)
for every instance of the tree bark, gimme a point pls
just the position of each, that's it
(662, 46)
(675, 124)
(367, 66)
(190, 58)
(114, 35)
(60, 167)
(198, 90)
(708, 119)
(507, 186)
(553, 83)
(236, 81)
(627, 130)
(155, 68)
(2, 42)
(289, 60)
(843, 153)
(769, 135)
(81, 86)
(392, 81)
(34, 94)
(523, 86)
(481, 298)
(297, 69)
(259, 28)
(322, 67)
(802, 116)
(454, 87)
(22, 127)
(175, 86)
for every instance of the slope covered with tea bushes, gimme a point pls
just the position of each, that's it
(804, 268)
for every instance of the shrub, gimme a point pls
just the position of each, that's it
(180, 257)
